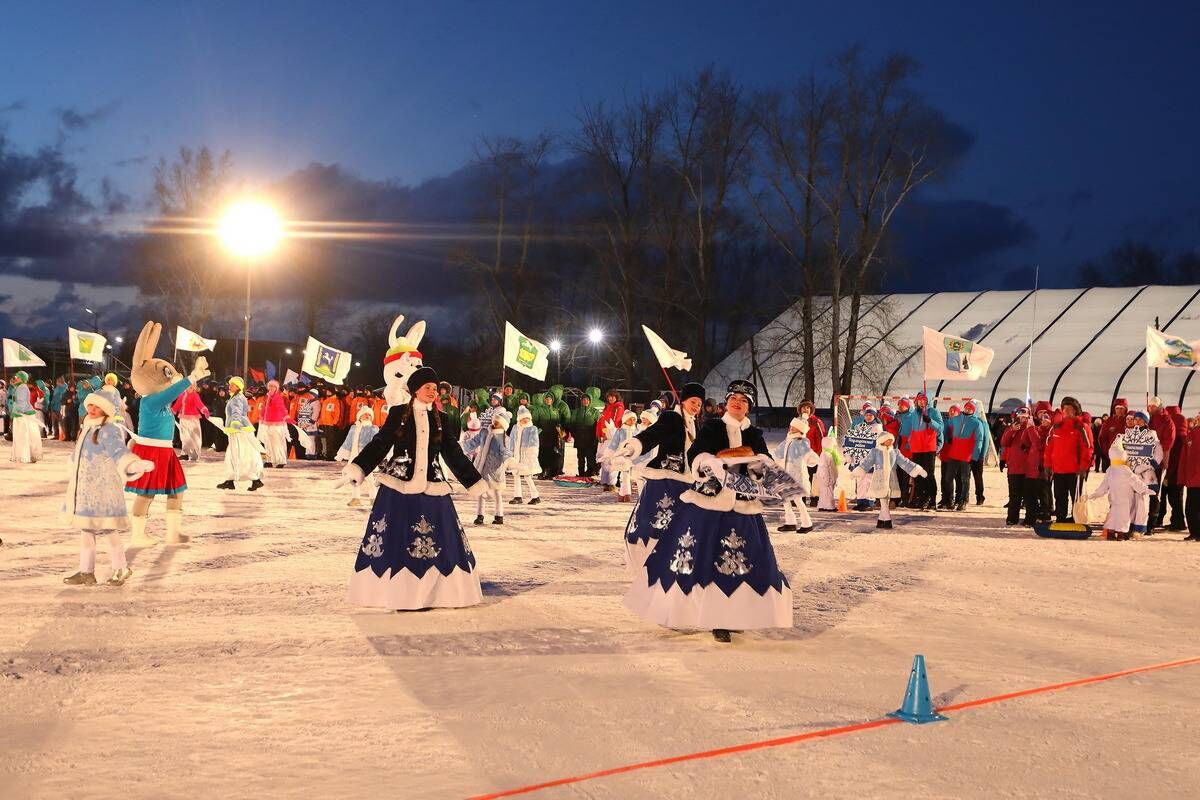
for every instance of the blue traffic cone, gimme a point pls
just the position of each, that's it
(918, 705)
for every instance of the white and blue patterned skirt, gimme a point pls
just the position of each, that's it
(712, 569)
(414, 555)
(657, 504)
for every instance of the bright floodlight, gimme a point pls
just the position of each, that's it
(250, 229)
(288, 351)
(595, 336)
(120, 339)
(555, 345)
(358, 363)
(89, 311)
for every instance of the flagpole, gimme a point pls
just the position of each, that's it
(1032, 327)
(668, 377)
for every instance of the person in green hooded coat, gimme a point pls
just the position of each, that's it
(550, 434)
(583, 431)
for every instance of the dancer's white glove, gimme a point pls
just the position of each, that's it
(137, 469)
(630, 449)
(709, 462)
(352, 474)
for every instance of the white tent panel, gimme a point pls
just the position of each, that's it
(1011, 365)
(944, 311)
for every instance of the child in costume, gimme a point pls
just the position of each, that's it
(857, 445)
(1127, 494)
(110, 391)
(524, 444)
(621, 468)
(159, 386)
(1143, 454)
(26, 433)
(359, 436)
(95, 502)
(273, 428)
(795, 455)
(826, 477)
(638, 465)
(472, 428)
(879, 468)
(190, 408)
(243, 455)
(490, 452)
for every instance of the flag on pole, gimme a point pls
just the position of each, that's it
(86, 346)
(271, 371)
(524, 354)
(953, 358)
(19, 356)
(323, 361)
(665, 355)
(192, 342)
(1165, 350)
(290, 377)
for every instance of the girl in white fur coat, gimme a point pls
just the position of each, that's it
(879, 471)
(795, 455)
(524, 443)
(828, 466)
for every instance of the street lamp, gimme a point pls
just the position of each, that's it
(95, 319)
(595, 336)
(250, 230)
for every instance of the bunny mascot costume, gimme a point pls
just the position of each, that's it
(401, 361)
(415, 554)
(159, 385)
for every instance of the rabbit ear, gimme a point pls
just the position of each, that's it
(394, 333)
(140, 353)
(416, 333)
(152, 338)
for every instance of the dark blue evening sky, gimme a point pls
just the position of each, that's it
(1085, 116)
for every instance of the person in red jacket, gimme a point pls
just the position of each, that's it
(1068, 455)
(1162, 424)
(1037, 485)
(1112, 428)
(613, 411)
(1015, 451)
(1189, 476)
(189, 408)
(807, 411)
(1172, 488)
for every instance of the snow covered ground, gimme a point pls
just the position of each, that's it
(232, 667)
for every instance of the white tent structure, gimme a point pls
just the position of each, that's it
(1087, 343)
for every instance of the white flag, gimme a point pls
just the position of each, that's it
(1165, 350)
(323, 361)
(192, 342)
(524, 354)
(86, 346)
(18, 356)
(290, 378)
(953, 358)
(665, 355)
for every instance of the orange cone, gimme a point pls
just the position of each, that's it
(292, 453)
(842, 507)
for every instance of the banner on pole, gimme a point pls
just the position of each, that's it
(1165, 350)
(953, 358)
(18, 356)
(191, 341)
(290, 377)
(525, 355)
(323, 361)
(86, 346)
(667, 357)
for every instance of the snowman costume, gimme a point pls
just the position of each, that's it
(1126, 493)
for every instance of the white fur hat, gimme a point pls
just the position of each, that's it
(885, 438)
(523, 412)
(365, 411)
(101, 402)
(502, 417)
(473, 423)
(650, 415)
(629, 418)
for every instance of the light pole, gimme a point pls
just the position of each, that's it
(95, 319)
(250, 230)
(556, 348)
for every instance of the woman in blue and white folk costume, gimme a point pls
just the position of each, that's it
(714, 567)
(95, 502)
(490, 452)
(879, 470)
(243, 456)
(666, 475)
(415, 553)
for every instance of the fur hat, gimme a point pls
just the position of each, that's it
(629, 418)
(885, 439)
(744, 388)
(101, 402)
(365, 411)
(523, 413)
(111, 378)
(473, 423)
(1073, 403)
(420, 377)
(503, 417)
(238, 382)
(649, 415)
(689, 390)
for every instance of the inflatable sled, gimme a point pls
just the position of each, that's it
(1063, 530)
(573, 482)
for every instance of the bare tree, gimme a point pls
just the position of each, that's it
(178, 262)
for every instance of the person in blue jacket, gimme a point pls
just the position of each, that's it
(983, 444)
(921, 437)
